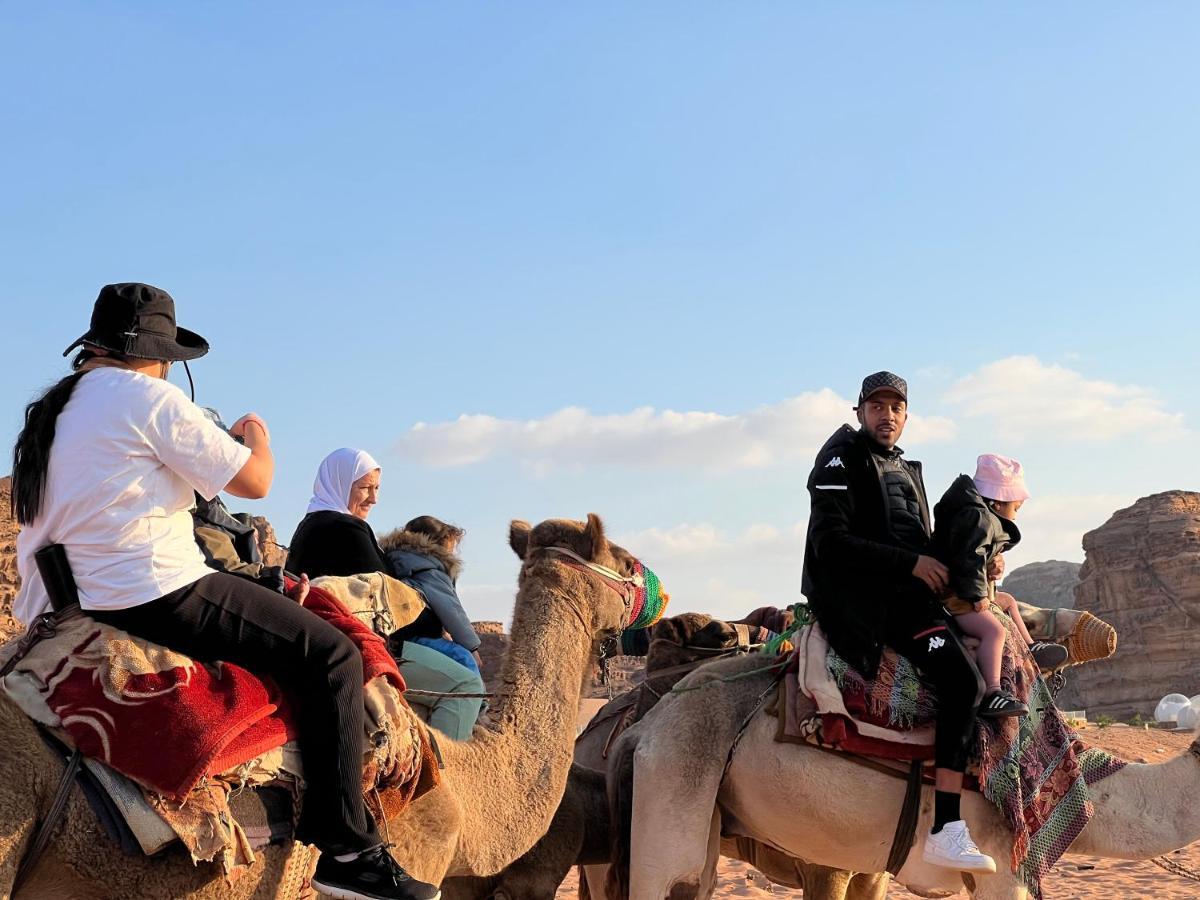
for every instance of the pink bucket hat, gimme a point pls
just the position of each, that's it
(1000, 478)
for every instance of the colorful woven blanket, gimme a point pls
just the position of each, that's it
(1034, 769)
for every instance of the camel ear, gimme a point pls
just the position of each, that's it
(670, 630)
(518, 537)
(594, 532)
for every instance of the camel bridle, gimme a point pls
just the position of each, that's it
(623, 586)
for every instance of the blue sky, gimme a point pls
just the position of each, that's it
(389, 214)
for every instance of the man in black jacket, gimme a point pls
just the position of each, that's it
(870, 581)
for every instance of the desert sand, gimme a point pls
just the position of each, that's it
(1074, 878)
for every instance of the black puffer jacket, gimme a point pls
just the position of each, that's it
(968, 536)
(854, 566)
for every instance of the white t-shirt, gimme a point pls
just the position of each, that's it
(128, 452)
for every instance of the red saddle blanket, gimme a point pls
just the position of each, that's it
(166, 721)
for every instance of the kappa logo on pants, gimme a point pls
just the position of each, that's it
(936, 643)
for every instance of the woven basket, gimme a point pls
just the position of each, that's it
(1091, 638)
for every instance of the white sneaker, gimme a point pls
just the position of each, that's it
(953, 848)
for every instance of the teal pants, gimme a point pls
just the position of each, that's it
(425, 669)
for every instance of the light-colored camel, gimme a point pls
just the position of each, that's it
(579, 833)
(498, 791)
(829, 808)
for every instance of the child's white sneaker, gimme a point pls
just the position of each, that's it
(953, 848)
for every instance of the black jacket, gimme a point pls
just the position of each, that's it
(334, 543)
(854, 568)
(968, 536)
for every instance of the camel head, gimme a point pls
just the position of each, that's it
(582, 544)
(696, 630)
(687, 637)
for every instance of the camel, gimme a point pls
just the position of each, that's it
(498, 792)
(579, 833)
(674, 792)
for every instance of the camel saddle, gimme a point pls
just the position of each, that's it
(185, 736)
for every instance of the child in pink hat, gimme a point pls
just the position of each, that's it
(974, 527)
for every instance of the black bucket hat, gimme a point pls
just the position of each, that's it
(138, 320)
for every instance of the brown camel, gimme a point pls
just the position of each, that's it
(499, 790)
(578, 833)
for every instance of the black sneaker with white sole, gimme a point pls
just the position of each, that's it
(1048, 655)
(1001, 705)
(372, 875)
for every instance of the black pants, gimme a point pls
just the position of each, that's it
(922, 634)
(223, 617)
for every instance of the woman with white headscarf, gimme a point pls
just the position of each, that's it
(334, 538)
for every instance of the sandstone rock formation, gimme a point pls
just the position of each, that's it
(274, 553)
(1142, 575)
(492, 649)
(9, 580)
(1050, 584)
(624, 671)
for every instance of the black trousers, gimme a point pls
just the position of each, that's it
(223, 617)
(922, 633)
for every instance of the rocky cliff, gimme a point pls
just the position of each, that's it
(1049, 584)
(1142, 575)
(9, 580)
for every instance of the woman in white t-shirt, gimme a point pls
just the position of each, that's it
(106, 465)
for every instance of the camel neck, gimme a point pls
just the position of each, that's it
(1145, 810)
(524, 758)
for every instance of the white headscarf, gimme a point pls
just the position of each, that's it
(336, 476)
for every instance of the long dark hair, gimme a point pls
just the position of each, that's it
(31, 454)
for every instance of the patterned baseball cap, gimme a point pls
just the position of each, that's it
(883, 381)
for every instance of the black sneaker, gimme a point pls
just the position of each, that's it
(372, 875)
(1049, 656)
(1001, 705)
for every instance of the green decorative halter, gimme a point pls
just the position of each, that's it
(645, 600)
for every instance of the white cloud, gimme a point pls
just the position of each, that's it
(697, 543)
(1053, 526)
(646, 438)
(727, 574)
(1024, 397)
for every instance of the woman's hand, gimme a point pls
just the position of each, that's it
(239, 428)
(253, 480)
(300, 591)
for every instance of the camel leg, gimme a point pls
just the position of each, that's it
(592, 881)
(868, 886)
(671, 841)
(824, 883)
(1001, 886)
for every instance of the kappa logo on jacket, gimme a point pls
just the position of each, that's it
(835, 463)
(936, 643)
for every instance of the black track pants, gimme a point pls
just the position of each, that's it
(932, 645)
